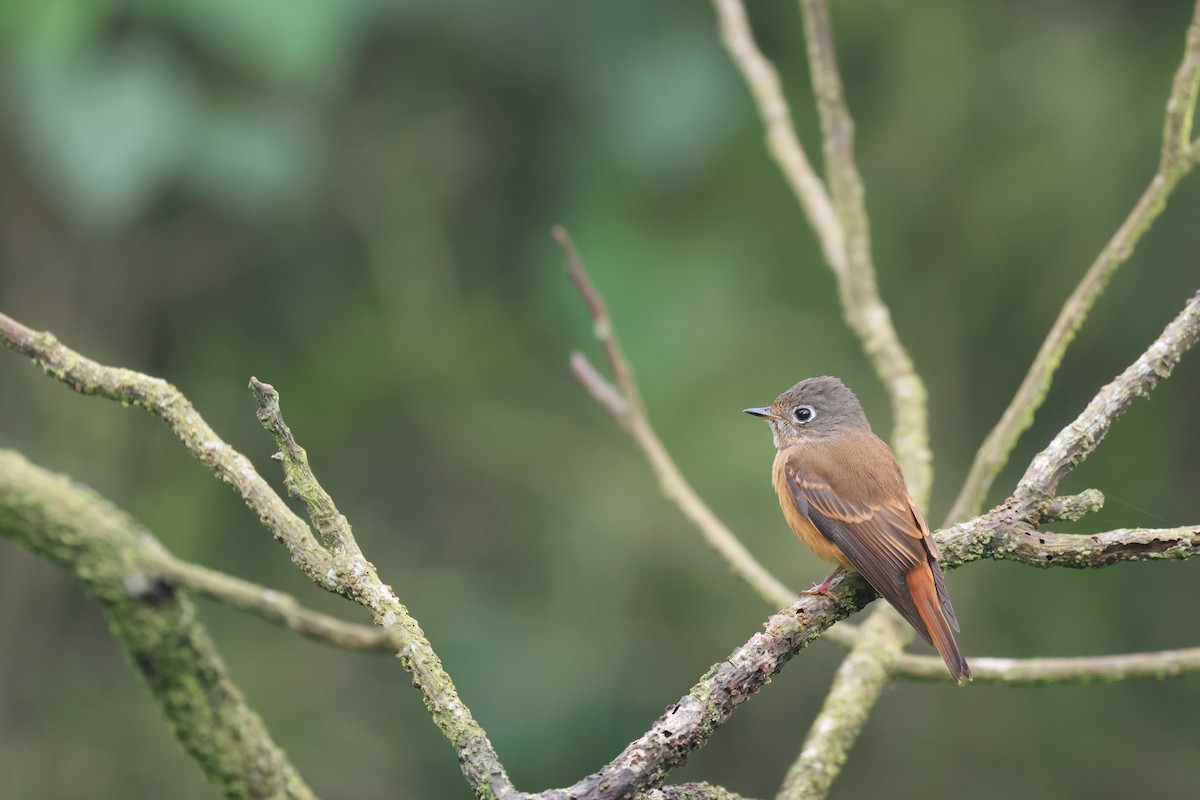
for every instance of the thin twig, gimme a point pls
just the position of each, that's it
(1054, 671)
(276, 607)
(157, 627)
(357, 579)
(623, 402)
(1177, 159)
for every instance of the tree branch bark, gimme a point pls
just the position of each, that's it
(1053, 671)
(155, 624)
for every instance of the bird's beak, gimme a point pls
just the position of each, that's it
(764, 412)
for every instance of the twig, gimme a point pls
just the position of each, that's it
(782, 141)
(275, 607)
(155, 625)
(624, 403)
(357, 579)
(860, 679)
(1047, 671)
(1177, 160)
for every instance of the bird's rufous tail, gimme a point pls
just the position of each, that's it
(929, 607)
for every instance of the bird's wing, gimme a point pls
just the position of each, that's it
(874, 524)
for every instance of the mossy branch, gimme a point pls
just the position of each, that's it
(341, 569)
(120, 566)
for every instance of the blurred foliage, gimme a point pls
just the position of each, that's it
(351, 200)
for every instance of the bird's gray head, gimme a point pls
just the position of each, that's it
(815, 408)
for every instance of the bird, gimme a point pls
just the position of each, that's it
(843, 494)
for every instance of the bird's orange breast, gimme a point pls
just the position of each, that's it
(800, 525)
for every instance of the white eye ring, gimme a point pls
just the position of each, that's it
(804, 414)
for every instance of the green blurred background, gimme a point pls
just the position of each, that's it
(351, 200)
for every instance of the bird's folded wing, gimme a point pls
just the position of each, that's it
(881, 538)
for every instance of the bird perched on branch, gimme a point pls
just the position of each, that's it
(843, 494)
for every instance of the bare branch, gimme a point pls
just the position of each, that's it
(1018, 541)
(623, 402)
(1077, 440)
(1178, 158)
(117, 564)
(276, 607)
(687, 725)
(603, 325)
(860, 680)
(782, 141)
(357, 579)
(1048, 671)
(1178, 150)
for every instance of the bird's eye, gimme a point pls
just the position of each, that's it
(804, 414)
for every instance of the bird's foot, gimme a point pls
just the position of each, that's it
(825, 587)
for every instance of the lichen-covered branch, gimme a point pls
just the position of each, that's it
(1074, 442)
(341, 569)
(1001, 535)
(155, 624)
(168, 403)
(1177, 159)
(687, 725)
(273, 606)
(1056, 671)
(691, 791)
(357, 579)
(859, 681)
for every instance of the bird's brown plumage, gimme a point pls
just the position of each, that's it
(844, 496)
